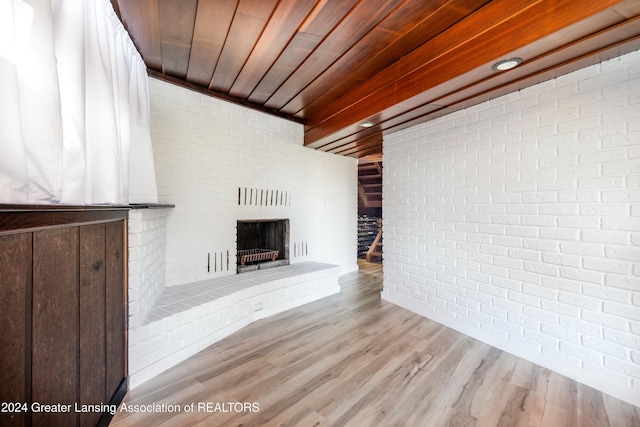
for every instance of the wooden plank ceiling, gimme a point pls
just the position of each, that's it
(335, 64)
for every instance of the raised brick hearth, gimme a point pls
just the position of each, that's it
(187, 318)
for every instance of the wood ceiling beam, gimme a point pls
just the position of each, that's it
(500, 27)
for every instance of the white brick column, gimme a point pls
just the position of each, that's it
(147, 260)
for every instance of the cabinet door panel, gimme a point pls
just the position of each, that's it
(116, 304)
(93, 363)
(55, 324)
(15, 297)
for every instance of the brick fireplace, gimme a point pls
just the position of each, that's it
(218, 164)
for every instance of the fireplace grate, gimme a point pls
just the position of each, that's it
(255, 255)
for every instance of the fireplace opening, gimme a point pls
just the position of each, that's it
(262, 244)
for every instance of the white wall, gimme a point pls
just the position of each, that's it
(517, 222)
(205, 149)
(147, 240)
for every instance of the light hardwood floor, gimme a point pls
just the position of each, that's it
(354, 360)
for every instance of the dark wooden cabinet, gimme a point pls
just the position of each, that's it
(63, 314)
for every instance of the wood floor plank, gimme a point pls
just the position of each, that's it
(354, 360)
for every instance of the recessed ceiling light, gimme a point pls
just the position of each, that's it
(367, 124)
(507, 64)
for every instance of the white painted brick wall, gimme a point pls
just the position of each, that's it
(516, 222)
(147, 260)
(205, 149)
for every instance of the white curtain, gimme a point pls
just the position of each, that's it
(74, 106)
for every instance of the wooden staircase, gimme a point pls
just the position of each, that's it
(370, 184)
(374, 254)
(370, 200)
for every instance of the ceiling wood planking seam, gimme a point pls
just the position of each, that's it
(213, 20)
(280, 31)
(360, 21)
(177, 20)
(332, 64)
(389, 46)
(248, 25)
